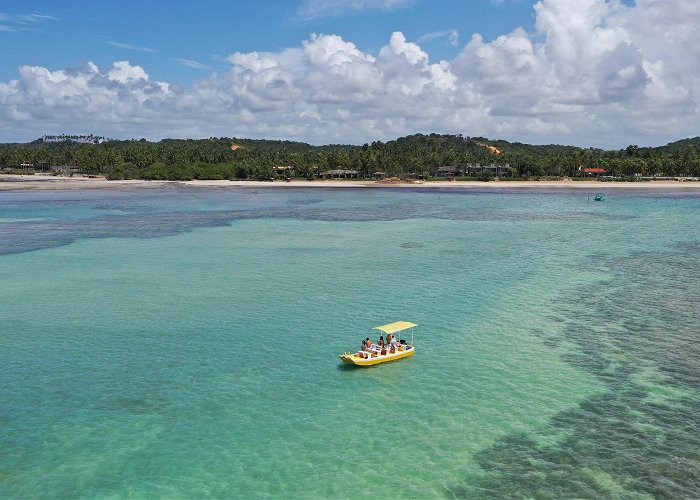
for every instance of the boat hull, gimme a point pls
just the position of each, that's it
(354, 359)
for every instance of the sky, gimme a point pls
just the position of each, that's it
(590, 73)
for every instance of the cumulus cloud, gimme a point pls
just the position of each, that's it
(83, 97)
(597, 67)
(594, 72)
(123, 72)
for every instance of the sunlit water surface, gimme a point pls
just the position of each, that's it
(180, 342)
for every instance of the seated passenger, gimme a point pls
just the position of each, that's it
(365, 348)
(380, 342)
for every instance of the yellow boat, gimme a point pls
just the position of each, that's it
(375, 354)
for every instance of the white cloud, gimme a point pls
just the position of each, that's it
(128, 46)
(123, 72)
(23, 22)
(595, 73)
(85, 96)
(452, 37)
(314, 9)
(191, 63)
(599, 67)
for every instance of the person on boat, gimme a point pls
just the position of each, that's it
(364, 348)
(380, 342)
(393, 344)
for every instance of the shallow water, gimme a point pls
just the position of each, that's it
(183, 342)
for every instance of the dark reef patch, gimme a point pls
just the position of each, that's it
(641, 437)
(138, 219)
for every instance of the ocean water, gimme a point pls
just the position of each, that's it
(181, 342)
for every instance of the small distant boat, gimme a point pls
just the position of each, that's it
(600, 197)
(381, 354)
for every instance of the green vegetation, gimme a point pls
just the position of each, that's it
(417, 155)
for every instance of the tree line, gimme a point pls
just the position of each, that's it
(416, 155)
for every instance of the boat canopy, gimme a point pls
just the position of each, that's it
(395, 327)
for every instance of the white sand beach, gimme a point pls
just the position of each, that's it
(45, 182)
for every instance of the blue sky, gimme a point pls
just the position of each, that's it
(165, 36)
(602, 73)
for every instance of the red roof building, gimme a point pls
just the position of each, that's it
(594, 171)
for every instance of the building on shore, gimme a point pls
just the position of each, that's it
(448, 172)
(594, 171)
(283, 171)
(473, 169)
(341, 174)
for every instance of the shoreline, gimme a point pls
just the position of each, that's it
(41, 182)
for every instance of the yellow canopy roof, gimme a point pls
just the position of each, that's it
(395, 327)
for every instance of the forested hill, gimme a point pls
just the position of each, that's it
(259, 144)
(476, 145)
(684, 145)
(418, 155)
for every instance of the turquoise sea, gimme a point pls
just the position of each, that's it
(181, 342)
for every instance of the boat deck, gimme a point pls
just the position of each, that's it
(375, 355)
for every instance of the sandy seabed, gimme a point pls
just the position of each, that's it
(23, 182)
